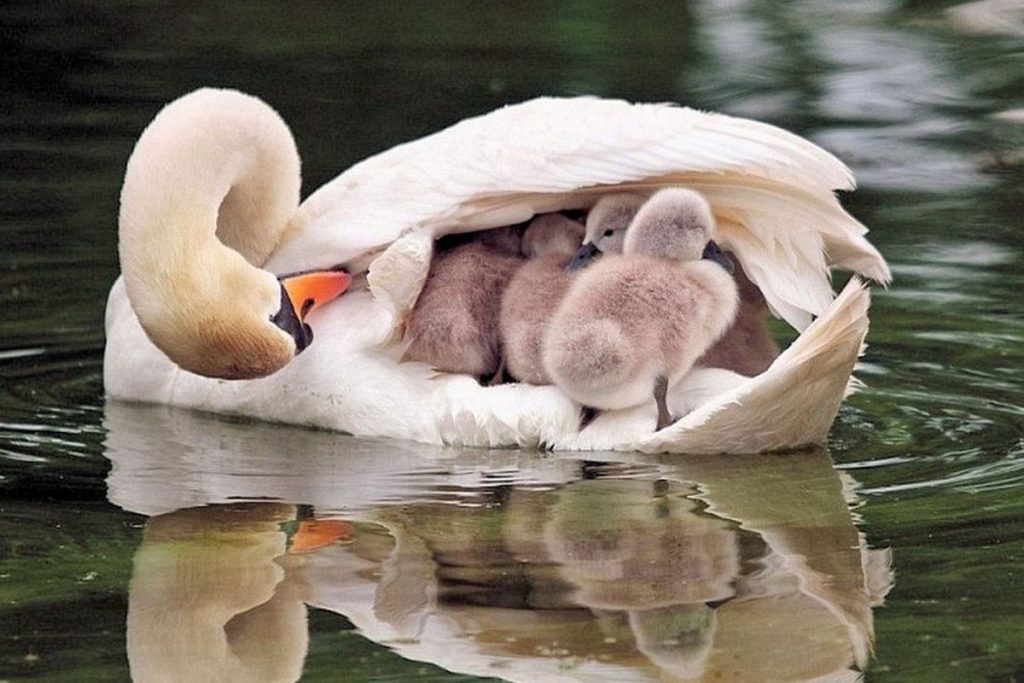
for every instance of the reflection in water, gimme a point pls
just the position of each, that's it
(522, 566)
(212, 598)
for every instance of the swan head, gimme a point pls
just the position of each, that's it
(232, 321)
(552, 234)
(209, 191)
(675, 223)
(606, 227)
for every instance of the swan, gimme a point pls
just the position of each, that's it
(632, 325)
(747, 347)
(771, 193)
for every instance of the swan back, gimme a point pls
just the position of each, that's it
(772, 192)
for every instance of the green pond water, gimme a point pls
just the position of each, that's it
(160, 544)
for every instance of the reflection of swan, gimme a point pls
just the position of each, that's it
(491, 601)
(654, 551)
(208, 601)
(490, 562)
(771, 192)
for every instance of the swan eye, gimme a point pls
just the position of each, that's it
(609, 232)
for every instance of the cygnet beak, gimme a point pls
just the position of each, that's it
(714, 253)
(582, 258)
(303, 293)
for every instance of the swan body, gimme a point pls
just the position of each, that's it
(633, 320)
(772, 196)
(533, 295)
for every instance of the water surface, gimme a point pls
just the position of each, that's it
(121, 526)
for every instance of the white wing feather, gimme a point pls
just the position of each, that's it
(772, 190)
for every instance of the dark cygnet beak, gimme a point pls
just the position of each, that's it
(583, 257)
(712, 252)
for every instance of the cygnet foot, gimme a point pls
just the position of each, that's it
(660, 397)
(498, 377)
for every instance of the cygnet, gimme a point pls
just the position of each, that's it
(454, 324)
(747, 347)
(534, 293)
(606, 227)
(632, 325)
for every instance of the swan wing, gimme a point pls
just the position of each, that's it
(772, 190)
(794, 401)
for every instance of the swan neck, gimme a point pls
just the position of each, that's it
(209, 190)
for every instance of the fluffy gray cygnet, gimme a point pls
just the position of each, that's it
(454, 324)
(534, 293)
(606, 227)
(631, 326)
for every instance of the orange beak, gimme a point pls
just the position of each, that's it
(312, 289)
(313, 535)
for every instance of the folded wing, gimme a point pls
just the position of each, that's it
(771, 190)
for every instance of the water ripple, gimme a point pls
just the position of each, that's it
(917, 428)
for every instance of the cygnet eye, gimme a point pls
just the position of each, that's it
(609, 232)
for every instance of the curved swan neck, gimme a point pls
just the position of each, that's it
(225, 162)
(208, 193)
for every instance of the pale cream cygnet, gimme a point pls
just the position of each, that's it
(534, 293)
(454, 324)
(631, 326)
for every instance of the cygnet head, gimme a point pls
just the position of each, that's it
(554, 234)
(507, 240)
(608, 220)
(606, 227)
(675, 223)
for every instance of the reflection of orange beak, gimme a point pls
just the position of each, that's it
(313, 535)
(312, 289)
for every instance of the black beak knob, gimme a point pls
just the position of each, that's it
(289, 321)
(714, 253)
(583, 257)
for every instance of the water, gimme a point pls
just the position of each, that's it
(123, 528)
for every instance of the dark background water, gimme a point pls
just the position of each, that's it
(912, 95)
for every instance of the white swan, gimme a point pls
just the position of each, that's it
(771, 193)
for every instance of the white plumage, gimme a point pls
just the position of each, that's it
(771, 192)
